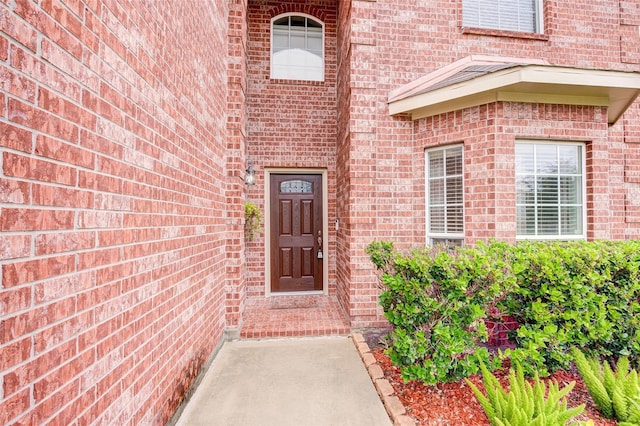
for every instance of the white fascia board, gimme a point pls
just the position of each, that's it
(542, 84)
(580, 77)
(465, 89)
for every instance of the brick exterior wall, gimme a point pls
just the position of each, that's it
(291, 124)
(236, 162)
(381, 158)
(489, 133)
(125, 130)
(114, 193)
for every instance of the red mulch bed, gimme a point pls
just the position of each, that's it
(455, 404)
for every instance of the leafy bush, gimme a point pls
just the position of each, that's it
(436, 301)
(575, 293)
(525, 404)
(563, 294)
(617, 394)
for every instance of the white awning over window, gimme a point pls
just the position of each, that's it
(478, 80)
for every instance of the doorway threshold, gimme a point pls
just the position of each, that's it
(296, 293)
(294, 316)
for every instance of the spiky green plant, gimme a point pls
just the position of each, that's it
(616, 393)
(525, 404)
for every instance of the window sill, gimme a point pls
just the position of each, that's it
(551, 238)
(505, 33)
(297, 82)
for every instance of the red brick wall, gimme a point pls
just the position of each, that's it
(488, 134)
(291, 124)
(236, 162)
(375, 189)
(343, 176)
(630, 31)
(113, 193)
(381, 162)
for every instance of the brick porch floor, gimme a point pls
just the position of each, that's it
(293, 316)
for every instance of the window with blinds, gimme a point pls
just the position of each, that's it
(510, 15)
(550, 190)
(445, 201)
(297, 48)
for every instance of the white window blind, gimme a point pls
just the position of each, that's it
(445, 201)
(549, 190)
(297, 48)
(511, 15)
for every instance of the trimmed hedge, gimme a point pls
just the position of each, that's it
(584, 294)
(436, 301)
(562, 294)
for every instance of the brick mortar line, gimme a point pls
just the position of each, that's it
(396, 410)
(94, 191)
(78, 313)
(188, 154)
(76, 252)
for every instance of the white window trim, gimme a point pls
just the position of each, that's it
(582, 236)
(538, 10)
(283, 15)
(437, 235)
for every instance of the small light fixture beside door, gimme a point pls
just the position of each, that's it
(250, 174)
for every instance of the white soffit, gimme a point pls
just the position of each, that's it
(514, 81)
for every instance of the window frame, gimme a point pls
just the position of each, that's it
(271, 45)
(583, 192)
(449, 237)
(538, 20)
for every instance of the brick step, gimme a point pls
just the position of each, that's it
(293, 316)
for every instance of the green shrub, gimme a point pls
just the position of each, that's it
(617, 394)
(563, 294)
(574, 293)
(436, 301)
(525, 404)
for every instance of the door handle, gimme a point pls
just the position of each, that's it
(320, 255)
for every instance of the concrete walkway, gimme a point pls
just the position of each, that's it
(298, 381)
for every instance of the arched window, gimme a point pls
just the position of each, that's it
(297, 48)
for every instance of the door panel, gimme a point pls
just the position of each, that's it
(296, 224)
(285, 262)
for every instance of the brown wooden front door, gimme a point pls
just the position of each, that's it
(296, 232)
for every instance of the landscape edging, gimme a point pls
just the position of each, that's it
(396, 410)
